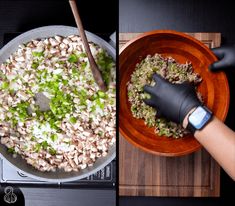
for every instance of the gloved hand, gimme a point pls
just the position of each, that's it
(226, 56)
(172, 101)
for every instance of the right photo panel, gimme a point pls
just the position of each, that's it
(176, 102)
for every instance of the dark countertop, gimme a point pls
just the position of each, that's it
(185, 16)
(32, 196)
(71, 197)
(23, 15)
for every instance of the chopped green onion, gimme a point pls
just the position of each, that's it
(14, 122)
(37, 54)
(83, 93)
(94, 97)
(100, 133)
(99, 103)
(11, 91)
(93, 108)
(68, 142)
(54, 137)
(65, 81)
(73, 58)
(33, 138)
(73, 120)
(5, 85)
(11, 150)
(37, 147)
(61, 62)
(75, 72)
(83, 55)
(2, 76)
(29, 92)
(61, 104)
(105, 62)
(21, 110)
(52, 151)
(44, 145)
(102, 95)
(83, 65)
(35, 65)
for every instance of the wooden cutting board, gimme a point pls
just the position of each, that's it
(143, 174)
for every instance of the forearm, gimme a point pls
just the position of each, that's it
(181, 101)
(219, 141)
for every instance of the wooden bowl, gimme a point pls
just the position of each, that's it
(214, 88)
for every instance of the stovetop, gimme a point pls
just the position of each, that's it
(103, 179)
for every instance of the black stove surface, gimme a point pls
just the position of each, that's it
(105, 178)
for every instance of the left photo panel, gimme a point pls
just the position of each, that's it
(58, 102)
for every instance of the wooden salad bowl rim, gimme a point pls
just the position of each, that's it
(222, 116)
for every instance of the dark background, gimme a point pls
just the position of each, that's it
(99, 17)
(185, 16)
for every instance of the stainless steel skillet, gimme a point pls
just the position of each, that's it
(18, 162)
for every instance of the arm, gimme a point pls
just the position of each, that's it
(176, 102)
(219, 141)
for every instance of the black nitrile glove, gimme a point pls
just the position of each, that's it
(172, 101)
(226, 56)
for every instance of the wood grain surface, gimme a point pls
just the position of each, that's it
(143, 174)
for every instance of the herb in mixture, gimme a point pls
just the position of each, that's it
(169, 69)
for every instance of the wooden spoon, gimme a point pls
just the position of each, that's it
(94, 67)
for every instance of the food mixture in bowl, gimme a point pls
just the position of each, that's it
(75, 123)
(169, 69)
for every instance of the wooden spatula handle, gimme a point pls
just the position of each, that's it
(94, 67)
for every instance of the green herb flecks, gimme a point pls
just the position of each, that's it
(35, 65)
(105, 62)
(20, 110)
(102, 95)
(2, 75)
(37, 147)
(82, 55)
(54, 137)
(61, 104)
(5, 85)
(11, 150)
(99, 103)
(44, 145)
(52, 151)
(73, 120)
(75, 72)
(73, 58)
(38, 54)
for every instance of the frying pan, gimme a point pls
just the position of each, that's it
(19, 163)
